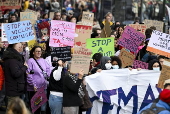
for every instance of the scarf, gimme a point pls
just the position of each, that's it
(80, 91)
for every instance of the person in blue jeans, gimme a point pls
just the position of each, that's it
(56, 88)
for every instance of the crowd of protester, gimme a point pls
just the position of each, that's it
(26, 70)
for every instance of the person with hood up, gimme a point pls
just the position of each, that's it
(105, 64)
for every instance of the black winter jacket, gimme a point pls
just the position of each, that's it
(14, 70)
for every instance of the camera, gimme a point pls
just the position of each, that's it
(32, 72)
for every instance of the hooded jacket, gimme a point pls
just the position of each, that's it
(14, 70)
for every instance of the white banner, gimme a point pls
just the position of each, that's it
(120, 91)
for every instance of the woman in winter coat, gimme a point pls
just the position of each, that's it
(38, 71)
(15, 72)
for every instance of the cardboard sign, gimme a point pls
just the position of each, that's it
(165, 74)
(126, 57)
(10, 4)
(139, 27)
(131, 39)
(106, 31)
(62, 33)
(38, 99)
(140, 64)
(101, 45)
(82, 51)
(28, 16)
(3, 34)
(87, 18)
(80, 60)
(42, 28)
(158, 24)
(159, 43)
(51, 15)
(19, 31)
(82, 34)
(61, 53)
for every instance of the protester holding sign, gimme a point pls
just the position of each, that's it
(72, 92)
(105, 63)
(155, 65)
(116, 62)
(14, 69)
(38, 73)
(56, 88)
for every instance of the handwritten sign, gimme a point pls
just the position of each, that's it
(80, 60)
(165, 74)
(126, 57)
(101, 45)
(139, 27)
(159, 43)
(87, 18)
(131, 39)
(82, 51)
(158, 24)
(140, 64)
(10, 4)
(19, 31)
(82, 34)
(38, 99)
(3, 34)
(61, 53)
(62, 33)
(42, 28)
(28, 16)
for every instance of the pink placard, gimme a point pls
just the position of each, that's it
(131, 39)
(62, 33)
(140, 64)
(38, 99)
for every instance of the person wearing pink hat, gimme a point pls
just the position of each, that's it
(162, 107)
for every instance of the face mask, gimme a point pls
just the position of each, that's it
(156, 69)
(108, 66)
(115, 67)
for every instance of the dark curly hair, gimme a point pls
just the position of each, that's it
(117, 59)
(150, 66)
(33, 49)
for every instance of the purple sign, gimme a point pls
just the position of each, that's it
(38, 99)
(140, 64)
(131, 39)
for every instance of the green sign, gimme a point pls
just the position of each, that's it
(101, 45)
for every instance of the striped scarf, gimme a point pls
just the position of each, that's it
(80, 91)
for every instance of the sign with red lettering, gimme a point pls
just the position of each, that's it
(139, 27)
(10, 4)
(131, 39)
(62, 33)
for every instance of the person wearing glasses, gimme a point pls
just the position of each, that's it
(38, 71)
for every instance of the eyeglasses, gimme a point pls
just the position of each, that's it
(38, 51)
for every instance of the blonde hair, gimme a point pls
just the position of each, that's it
(17, 106)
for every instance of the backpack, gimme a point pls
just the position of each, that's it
(152, 111)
